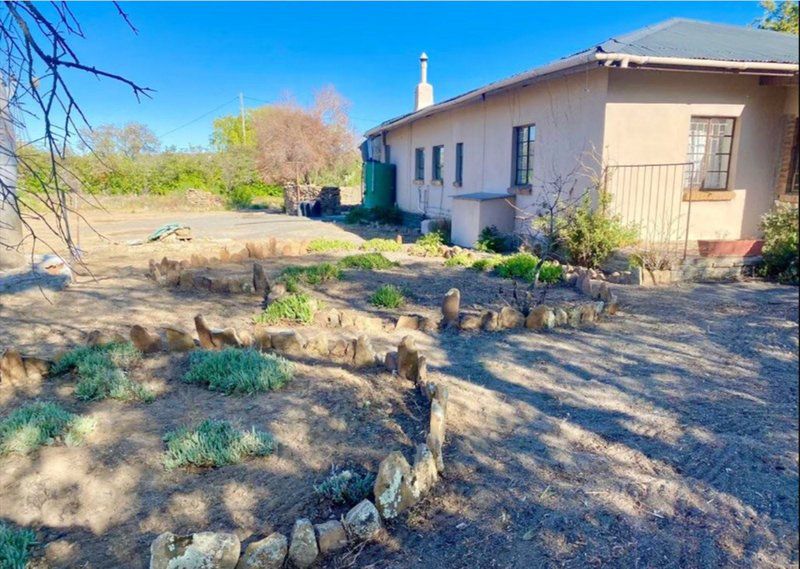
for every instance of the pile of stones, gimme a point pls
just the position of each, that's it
(398, 486)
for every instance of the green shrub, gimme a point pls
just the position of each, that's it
(239, 372)
(384, 215)
(345, 487)
(323, 245)
(780, 252)
(491, 240)
(381, 245)
(366, 262)
(15, 546)
(487, 264)
(214, 443)
(388, 296)
(295, 307)
(101, 372)
(462, 259)
(591, 234)
(293, 277)
(38, 424)
(523, 266)
(245, 195)
(429, 245)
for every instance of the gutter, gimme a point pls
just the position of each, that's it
(625, 59)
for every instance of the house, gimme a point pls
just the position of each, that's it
(692, 127)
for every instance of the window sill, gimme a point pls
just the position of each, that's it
(525, 190)
(419, 182)
(437, 183)
(708, 195)
(788, 198)
(456, 184)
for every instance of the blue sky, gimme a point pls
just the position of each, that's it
(199, 56)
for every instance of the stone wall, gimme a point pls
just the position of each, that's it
(329, 198)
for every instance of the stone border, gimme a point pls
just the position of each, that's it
(398, 487)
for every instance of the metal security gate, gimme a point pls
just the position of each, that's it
(650, 197)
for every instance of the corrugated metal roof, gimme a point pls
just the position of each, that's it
(702, 40)
(676, 38)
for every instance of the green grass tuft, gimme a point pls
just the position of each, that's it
(388, 296)
(378, 245)
(385, 215)
(293, 277)
(296, 307)
(214, 443)
(101, 372)
(15, 546)
(239, 372)
(429, 245)
(462, 259)
(366, 262)
(39, 424)
(487, 264)
(523, 266)
(323, 245)
(345, 487)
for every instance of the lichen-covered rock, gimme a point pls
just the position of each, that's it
(451, 306)
(318, 345)
(145, 341)
(260, 280)
(263, 340)
(470, 322)
(407, 322)
(203, 332)
(330, 317)
(436, 432)
(390, 361)
(100, 338)
(206, 550)
(429, 324)
(226, 337)
(178, 340)
(392, 486)
(574, 316)
(186, 279)
(364, 354)
(331, 536)
(424, 473)
(511, 318)
(303, 550)
(588, 313)
(363, 521)
(408, 359)
(12, 368)
(490, 320)
(561, 316)
(268, 553)
(289, 342)
(541, 318)
(612, 305)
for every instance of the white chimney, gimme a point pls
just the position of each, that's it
(423, 95)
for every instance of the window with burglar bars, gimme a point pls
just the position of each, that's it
(710, 140)
(524, 137)
(459, 163)
(438, 163)
(419, 164)
(793, 185)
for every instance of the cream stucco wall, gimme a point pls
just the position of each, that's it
(647, 121)
(567, 111)
(630, 116)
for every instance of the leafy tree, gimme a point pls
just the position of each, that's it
(781, 17)
(227, 132)
(130, 140)
(305, 145)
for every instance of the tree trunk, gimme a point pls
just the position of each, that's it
(10, 222)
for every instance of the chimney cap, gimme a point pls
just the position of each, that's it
(423, 57)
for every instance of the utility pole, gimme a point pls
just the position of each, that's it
(241, 112)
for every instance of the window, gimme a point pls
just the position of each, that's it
(523, 154)
(459, 163)
(709, 151)
(438, 163)
(419, 164)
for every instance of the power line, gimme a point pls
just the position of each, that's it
(204, 115)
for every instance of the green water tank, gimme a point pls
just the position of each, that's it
(379, 184)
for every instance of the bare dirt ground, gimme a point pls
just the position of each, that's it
(666, 437)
